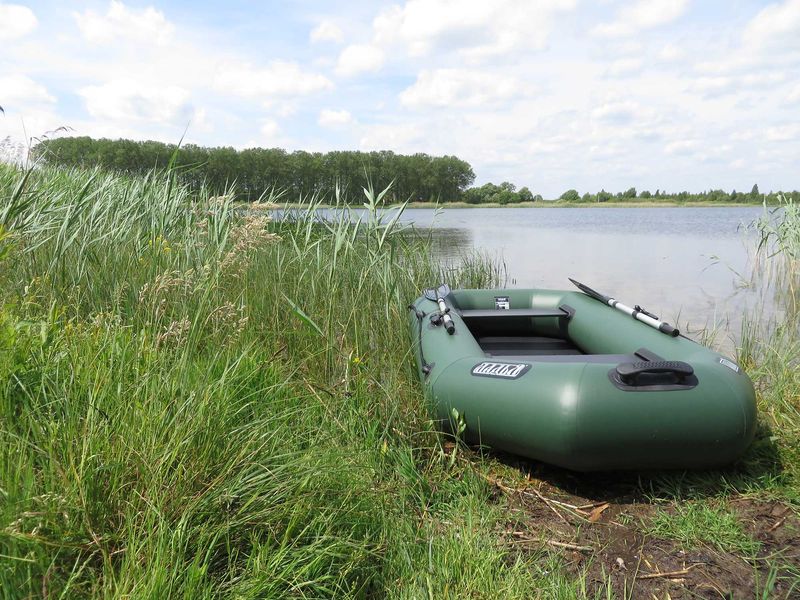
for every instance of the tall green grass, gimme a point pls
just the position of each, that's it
(770, 346)
(197, 402)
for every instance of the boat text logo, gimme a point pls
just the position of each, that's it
(731, 365)
(500, 370)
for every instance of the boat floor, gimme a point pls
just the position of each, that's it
(545, 349)
(527, 346)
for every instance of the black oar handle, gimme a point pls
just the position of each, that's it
(669, 329)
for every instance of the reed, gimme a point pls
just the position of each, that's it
(198, 402)
(770, 347)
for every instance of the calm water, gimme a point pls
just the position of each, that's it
(688, 265)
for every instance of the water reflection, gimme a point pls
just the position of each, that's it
(692, 266)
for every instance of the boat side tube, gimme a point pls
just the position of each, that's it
(637, 399)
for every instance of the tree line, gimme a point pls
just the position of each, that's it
(507, 193)
(416, 177)
(631, 195)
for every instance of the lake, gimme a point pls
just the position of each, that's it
(690, 266)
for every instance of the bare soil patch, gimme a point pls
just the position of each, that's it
(596, 524)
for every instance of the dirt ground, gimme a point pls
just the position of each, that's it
(596, 525)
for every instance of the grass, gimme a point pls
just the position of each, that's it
(696, 523)
(197, 402)
(770, 348)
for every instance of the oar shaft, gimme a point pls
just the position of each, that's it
(637, 313)
(662, 326)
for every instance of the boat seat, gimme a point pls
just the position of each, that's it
(512, 312)
(527, 346)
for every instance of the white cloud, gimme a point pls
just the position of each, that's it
(129, 100)
(785, 133)
(16, 21)
(360, 58)
(269, 128)
(641, 15)
(682, 146)
(327, 31)
(334, 118)
(771, 39)
(36, 120)
(476, 28)
(278, 79)
(22, 90)
(617, 112)
(671, 52)
(739, 163)
(399, 137)
(738, 84)
(459, 87)
(775, 24)
(625, 66)
(120, 22)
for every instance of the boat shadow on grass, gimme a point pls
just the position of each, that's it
(729, 532)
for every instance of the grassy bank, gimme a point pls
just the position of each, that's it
(199, 405)
(197, 402)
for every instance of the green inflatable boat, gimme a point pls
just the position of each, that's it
(578, 380)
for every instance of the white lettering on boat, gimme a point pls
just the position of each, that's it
(731, 365)
(502, 302)
(500, 370)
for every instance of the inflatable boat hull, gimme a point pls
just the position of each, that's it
(559, 377)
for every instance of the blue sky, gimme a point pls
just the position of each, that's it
(551, 94)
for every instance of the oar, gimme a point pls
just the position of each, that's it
(637, 313)
(438, 295)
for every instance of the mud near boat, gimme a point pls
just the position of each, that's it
(598, 528)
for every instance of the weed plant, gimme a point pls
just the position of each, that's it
(198, 402)
(770, 348)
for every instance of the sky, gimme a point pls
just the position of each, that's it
(549, 94)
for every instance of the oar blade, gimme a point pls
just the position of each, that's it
(434, 294)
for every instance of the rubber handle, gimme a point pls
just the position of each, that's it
(630, 371)
(669, 330)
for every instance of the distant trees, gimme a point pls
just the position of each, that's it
(505, 193)
(570, 196)
(415, 177)
(713, 195)
(604, 196)
(418, 177)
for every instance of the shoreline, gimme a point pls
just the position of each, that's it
(550, 204)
